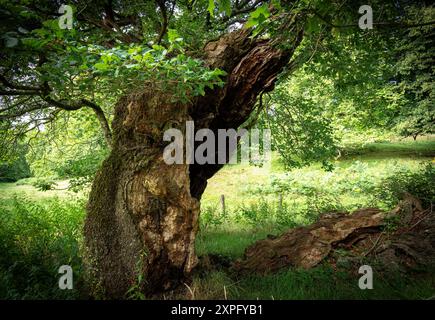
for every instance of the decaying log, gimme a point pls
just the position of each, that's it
(361, 233)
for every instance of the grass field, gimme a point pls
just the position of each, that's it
(348, 187)
(21, 188)
(41, 230)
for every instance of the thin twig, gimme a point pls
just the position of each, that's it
(374, 246)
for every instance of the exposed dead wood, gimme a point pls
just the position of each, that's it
(360, 233)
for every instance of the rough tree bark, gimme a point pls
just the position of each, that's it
(142, 214)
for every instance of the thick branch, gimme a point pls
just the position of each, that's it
(43, 92)
(84, 102)
(163, 12)
(16, 87)
(18, 93)
(252, 67)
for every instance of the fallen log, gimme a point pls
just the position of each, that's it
(362, 233)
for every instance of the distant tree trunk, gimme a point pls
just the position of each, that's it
(142, 215)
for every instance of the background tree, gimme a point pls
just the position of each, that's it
(356, 84)
(415, 78)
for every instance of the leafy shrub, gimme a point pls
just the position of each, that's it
(26, 181)
(320, 202)
(255, 213)
(14, 170)
(83, 166)
(44, 184)
(267, 212)
(79, 183)
(81, 170)
(211, 217)
(35, 240)
(420, 184)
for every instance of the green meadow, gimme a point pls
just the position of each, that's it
(41, 230)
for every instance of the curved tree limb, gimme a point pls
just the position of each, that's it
(44, 91)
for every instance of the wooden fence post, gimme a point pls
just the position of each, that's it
(223, 204)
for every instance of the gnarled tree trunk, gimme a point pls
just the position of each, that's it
(142, 213)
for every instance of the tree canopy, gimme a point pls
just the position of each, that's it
(373, 78)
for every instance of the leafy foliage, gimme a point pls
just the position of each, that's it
(415, 77)
(420, 184)
(16, 168)
(349, 80)
(296, 121)
(36, 239)
(44, 184)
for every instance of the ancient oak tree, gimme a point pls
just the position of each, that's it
(142, 67)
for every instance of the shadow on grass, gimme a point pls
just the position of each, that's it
(230, 242)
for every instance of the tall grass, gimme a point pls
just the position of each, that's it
(307, 193)
(36, 238)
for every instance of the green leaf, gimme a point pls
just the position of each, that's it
(211, 7)
(101, 66)
(258, 16)
(261, 10)
(225, 5)
(173, 35)
(251, 23)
